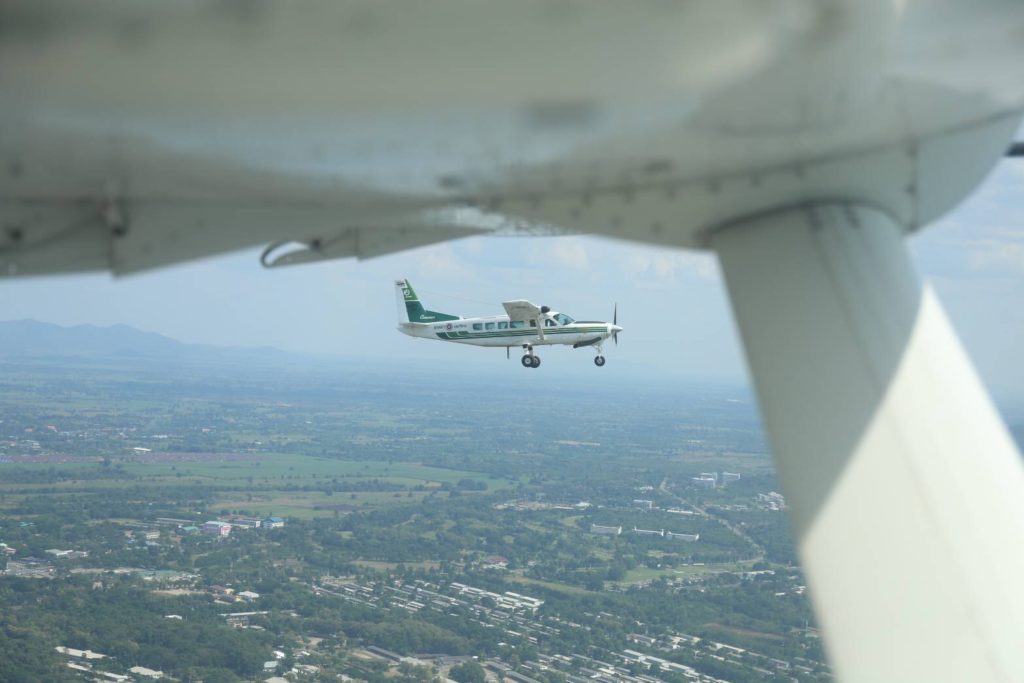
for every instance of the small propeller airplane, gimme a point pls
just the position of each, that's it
(524, 324)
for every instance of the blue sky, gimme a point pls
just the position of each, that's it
(672, 303)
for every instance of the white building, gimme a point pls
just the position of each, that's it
(146, 673)
(648, 532)
(730, 476)
(682, 537)
(605, 530)
(78, 654)
(215, 528)
(643, 504)
(704, 482)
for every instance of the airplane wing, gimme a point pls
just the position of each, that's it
(522, 310)
(134, 136)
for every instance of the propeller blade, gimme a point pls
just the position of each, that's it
(615, 321)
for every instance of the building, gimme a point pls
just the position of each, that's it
(146, 673)
(67, 554)
(710, 475)
(245, 522)
(495, 562)
(249, 596)
(147, 534)
(216, 528)
(273, 523)
(172, 521)
(605, 530)
(79, 654)
(643, 504)
(188, 530)
(648, 532)
(730, 476)
(682, 537)
(704, 482)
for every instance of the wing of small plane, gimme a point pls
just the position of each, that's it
(527, 312)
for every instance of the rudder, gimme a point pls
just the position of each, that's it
(410, 309)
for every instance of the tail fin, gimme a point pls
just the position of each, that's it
(410, 310)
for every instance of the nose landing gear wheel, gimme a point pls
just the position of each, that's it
(599, 361)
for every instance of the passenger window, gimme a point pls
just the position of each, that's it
(516, 324)
(502, 326)
(549, 323)
(489, 326)
(533, 323)
(478, 326)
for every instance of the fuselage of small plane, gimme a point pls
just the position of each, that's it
(499, 331)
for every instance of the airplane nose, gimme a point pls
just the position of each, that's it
(614, 329)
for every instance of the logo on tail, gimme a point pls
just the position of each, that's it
(410, 310)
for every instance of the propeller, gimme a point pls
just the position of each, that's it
(615, 321)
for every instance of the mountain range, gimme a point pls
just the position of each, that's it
(20, 338)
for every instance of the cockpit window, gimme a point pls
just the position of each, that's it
(563, 319)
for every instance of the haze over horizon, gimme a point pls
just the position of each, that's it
(672, 303)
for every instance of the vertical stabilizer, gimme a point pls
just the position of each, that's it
(410, 310)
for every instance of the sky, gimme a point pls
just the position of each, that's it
(672, 303)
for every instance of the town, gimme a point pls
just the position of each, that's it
(298, 535)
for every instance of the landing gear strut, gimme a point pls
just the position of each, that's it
(529, 360)
(599, 358)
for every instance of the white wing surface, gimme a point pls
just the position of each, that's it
(522, 310)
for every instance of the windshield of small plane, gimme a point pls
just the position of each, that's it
(563, 319)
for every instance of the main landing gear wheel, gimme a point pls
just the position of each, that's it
(527, 361)
(598, 361)
(536, 361)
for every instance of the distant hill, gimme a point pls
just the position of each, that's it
(35, 338)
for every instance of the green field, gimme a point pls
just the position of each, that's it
(265, 484)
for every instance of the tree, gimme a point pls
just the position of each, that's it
(468, 672)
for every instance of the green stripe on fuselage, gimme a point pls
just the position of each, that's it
(530, 332)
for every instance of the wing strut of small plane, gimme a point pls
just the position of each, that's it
(904, 485)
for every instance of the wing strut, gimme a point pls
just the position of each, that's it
(903, 483)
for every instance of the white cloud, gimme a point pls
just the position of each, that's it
(570, 254)
(996, 255)
(660, 268)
